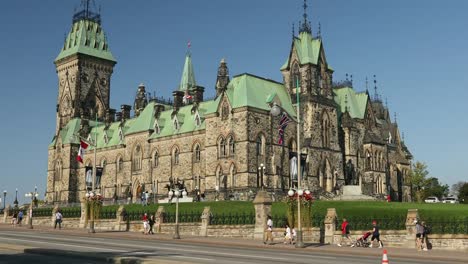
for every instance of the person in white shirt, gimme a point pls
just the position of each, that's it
(287, 235)
(58, 220)
(269, 231)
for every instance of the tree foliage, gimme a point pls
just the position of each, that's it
(423, 186)
(463, 193)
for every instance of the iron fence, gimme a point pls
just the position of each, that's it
(365, 222)
(107, 213)
(133, 215)
(41, 212)
(448, 225)
(169, 218)
(279, 221)
(233, 219)
(70, 212)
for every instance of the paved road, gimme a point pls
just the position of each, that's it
(58, 247)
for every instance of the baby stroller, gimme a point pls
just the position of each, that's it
(362, 241)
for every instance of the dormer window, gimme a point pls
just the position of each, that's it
(197, 120)
(157, 129)
(121, 135)
(106, 138)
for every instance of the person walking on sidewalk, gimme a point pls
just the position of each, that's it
(151, 222)
(419, 236)
(20, 217)
(287, 235)
(269, 231)
(345, 233)
(145, 224)
(375, 234)
(58, 219)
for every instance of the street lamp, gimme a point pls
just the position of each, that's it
(177, 193)
(261, 171)
(33, 196)
(92, 199)
(16, 199)
(4, 198)
(276, 110)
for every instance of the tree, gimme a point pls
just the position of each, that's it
(456, 187)
(463, 193)
(417, 178)
(434, 188)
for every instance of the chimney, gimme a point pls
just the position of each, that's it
(158, 108)
(110, 115)
(178, 97)
(198, 94)
(125, 111)
(118, 116)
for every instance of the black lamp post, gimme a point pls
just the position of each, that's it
(4, 198)
(16, 199)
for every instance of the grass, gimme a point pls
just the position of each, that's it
(344, 208)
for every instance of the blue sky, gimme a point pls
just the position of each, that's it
(416, 48)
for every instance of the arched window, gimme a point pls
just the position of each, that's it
(376, 160)
(260, 145)
(175, 156)
(103, 165)
(232, 178)
(232, 148)
(221, 147)
(368, 160)
(119, 164)
(137, 158)
(58, 170)
(325, 130)
(219, 172)
(156, 159)
(196, 154)
(295, 77)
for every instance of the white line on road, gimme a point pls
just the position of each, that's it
(61, 244)
(204, 259)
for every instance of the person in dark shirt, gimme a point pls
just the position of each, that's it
(375, 234)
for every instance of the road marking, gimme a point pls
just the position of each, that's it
(204, 259)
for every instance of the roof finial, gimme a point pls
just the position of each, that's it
(395, 117)
(347, 77)
(346, 102)
(351, 80)
(386, 103)
(319, 33)
(376, 95)
(189, 45)
(293, 33)
(305, 27)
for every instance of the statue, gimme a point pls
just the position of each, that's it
(140, 100)
(350, 174)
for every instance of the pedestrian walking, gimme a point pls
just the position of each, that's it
(269, 231)
(145, 224)
(420, 236)
(20, 217)
(294, 235)
(427, 230)
(375, 234)
(58, 219)
(345, 232)
(287, 235)
(14, 219)
(151, 222)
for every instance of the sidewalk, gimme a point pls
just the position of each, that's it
(439, 255)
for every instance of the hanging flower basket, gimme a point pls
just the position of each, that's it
(306, 201)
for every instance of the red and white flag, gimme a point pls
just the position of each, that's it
(83, 146)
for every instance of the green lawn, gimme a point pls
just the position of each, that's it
(344, 209)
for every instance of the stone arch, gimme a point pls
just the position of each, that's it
(137, 158)
(295, 76)
(325, 129)
(196, 150)
(221, 143)
(175, 154)
(155, 158)
(232, 175)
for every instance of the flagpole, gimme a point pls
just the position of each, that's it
(95, 156)
(299, 242)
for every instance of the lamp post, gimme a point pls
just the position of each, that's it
(261, 171)
(4, 198)
(276, 111)
(177, 193)
(89, 200)
(16, 199)
(33, 196)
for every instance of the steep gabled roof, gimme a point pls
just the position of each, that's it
(355, 103)
(308, 49)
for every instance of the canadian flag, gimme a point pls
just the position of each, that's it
(83, 146)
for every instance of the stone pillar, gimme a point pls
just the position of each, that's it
(159, 219)
(330, 225)
(411, 228)
(120, 220)
(6, 212)
(262, 204)
(82, 215)
(205, 221)
(56, 208)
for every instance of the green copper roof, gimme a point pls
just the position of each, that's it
(86, 37)
(188, 76)
(307, 48)
(250, 90)
(355, 102)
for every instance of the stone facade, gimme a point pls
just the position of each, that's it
(222, 154)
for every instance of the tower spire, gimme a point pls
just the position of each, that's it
(367, 85)
(305, 27)
(293, 33)
(319, 32)
(376, 95)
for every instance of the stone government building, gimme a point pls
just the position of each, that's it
(217, 146)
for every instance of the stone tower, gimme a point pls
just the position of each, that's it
(84, 67)
(307, 72)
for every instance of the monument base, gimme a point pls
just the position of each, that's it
(181, 200)
(353, 193)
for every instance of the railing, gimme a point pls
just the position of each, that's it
(448, 225)
(233, 219)
(279, 221)
(108, 213)
(71, 212)
(169, 218)
(384, 223)
(41, 212)
(134, 215)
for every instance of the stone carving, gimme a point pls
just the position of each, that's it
(140, 100)
(350, 174)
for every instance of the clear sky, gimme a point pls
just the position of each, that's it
(417, 49)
